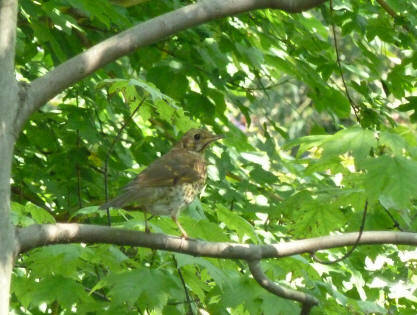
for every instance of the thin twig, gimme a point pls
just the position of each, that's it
(182, 302)
(264, 88)
(68, 198)
(77, 165)
(109, 152)
(339, 65)
(387, 8)
(109, 135)
(396, 224)
(98, 294)
(187, 296)
(329, 262)
(80, 203)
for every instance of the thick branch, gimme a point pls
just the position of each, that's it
(307, 300)
(47, 234)
(146, 33)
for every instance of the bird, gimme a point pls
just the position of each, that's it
(171, 182)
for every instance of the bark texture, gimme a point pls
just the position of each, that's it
(8, 110)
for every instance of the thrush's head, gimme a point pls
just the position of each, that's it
(196, 140)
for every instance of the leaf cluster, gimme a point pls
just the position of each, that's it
(295, 163)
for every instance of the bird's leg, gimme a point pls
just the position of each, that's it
(183, 233)
(145, 215)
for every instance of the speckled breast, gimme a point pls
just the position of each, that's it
(175, 198)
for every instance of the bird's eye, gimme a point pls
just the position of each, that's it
(197, 136)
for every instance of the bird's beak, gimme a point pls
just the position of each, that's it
(214, 138)
(217, 137)
(210, 140)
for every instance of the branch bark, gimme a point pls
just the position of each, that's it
(143, 34)
(48, 234)
(305, 299)
(38, 235)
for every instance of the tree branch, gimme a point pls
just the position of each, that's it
(38, 235)
(397, 17)
(47, 234)
(143, 34)
(305, 299)
(355, 108)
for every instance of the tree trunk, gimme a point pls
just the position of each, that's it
(7, 232)
(8, 110)
(8, 105)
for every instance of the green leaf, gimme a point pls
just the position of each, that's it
(63, 259)
(368, 307)
(411, 105)
(165, 110)
(38, 214)
(217, 274)
(307, 143)
(236, 138)
(145, 111)
(19, 215)
(149, 87)
(269, 305)
(395, 185)
(262, 176)
(183, 122)
(170, 81)
(192, 280)
(355, 140)
(334, 101)
(65, 291)
(152, 287)
(205, 229)
(315, 219)
(86, 211)
(237, 223)
(393, 141)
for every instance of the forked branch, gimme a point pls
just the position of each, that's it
(47, 234)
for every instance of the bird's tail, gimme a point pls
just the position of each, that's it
(118, 202)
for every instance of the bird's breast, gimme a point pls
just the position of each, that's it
(174, 198)
(201, 168)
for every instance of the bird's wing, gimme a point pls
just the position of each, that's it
(175, 167)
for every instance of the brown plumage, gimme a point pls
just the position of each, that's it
(171, 182)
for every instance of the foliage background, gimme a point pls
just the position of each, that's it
(296, 162)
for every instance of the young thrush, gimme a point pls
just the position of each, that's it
(171, 182)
